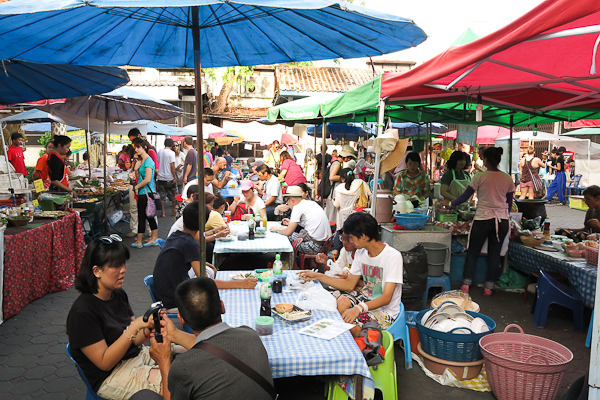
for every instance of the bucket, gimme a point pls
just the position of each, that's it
(438, 255)
(383, 212)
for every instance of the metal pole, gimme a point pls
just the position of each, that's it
(323, 156)
(199, 137)
(510, 146)
(87, 142)
(380, 118)
(106, 116)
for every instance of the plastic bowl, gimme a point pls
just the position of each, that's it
(411, 221)
(284, 307)
(264, 325)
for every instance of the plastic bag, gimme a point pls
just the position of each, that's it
(415, 277)
(511, 279)
(316, 298)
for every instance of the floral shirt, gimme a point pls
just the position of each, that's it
(411, 186)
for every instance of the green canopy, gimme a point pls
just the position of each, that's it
(467, 36)
(303, 110)
(583, 132)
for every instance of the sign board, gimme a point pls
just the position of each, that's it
(247, 146)
(467, 134)
(39, 185)
(77, 141)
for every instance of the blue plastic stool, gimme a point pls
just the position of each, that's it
(588, 341)
(399, 331)
(550, 291)
(436, 281)
(149, 282)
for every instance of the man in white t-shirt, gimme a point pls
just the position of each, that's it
(271, 190)
(166, 178)
(209, 175)
(381, 268)
(310, 216)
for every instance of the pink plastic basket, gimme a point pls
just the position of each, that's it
(591, 255)
(521, 366)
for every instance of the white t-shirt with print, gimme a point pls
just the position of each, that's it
(376, 272)
(273, 188)
(259, 204)
(312, 217)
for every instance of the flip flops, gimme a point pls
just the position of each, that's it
(137, 245)
(150, 243)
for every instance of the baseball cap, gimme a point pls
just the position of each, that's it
(246, 185)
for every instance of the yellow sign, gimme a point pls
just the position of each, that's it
(77, 141)
(35, 203)
(39, 185)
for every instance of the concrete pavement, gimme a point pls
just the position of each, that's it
(34, 364)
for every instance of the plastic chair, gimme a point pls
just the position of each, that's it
(399, 330)
(160, 242)
(573, 184)
(325, 249)
(384, 376)
(436, 281)
(91, 395)
(588, 340)
(551, 291)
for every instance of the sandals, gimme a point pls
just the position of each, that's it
(465, 288)
(137, 245)
(150, 243)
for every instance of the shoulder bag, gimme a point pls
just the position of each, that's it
(239, 365)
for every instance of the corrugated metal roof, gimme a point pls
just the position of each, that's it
(160, 83)
(241, 114)
(320, 79)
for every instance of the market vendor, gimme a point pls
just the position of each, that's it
(591, 223)
(412, 182)
(15, 154)
(41, 167)
(455, 181)
(59, 178)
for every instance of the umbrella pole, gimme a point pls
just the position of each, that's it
(199, 137)
(106, 115)
(323, 156)
(380, 122)
(87, 142)
(510, 146)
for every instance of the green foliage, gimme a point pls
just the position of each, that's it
(44, 141)
(301, 63)
(238, 74)
(30, 174)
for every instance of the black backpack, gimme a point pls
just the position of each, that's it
(326, 186)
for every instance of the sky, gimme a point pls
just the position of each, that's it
(444, 21)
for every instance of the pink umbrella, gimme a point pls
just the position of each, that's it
(486, 134)
(211, 131)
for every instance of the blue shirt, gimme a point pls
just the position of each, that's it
(148, 163)
(229, 160)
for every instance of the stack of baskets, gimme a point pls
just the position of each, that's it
(457, 351)
(521, 366)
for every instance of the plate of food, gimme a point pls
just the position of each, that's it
(227, 238)
(264, 273)
(51, 214)
(296, 315)
(242, 275)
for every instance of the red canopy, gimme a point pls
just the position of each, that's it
(543, 61)
(485, 134)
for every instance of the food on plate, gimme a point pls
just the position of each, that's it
(592, 244)
(242, 275)
(295, 314)
(266, 274)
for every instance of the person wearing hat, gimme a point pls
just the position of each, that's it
(248, 203)
(310, 217)
(15, 154)
(559, 184)
(166, 179)
(348, 156)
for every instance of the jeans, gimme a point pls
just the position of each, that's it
(480, 231)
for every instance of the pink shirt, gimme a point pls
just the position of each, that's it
(154, 157)
(294, 173)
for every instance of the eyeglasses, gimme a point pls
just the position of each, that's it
(111, 239)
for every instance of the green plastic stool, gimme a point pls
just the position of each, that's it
(384, 376)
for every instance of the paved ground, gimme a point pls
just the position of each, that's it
(33, 362)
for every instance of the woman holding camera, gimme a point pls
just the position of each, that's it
(105, 337)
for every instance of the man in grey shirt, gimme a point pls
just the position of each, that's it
(198, 374)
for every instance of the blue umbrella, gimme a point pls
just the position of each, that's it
(22, 82)
(349, 132)
(168, 34)
(43, 127)
(156, 128)
(32, 115)
(408, 129)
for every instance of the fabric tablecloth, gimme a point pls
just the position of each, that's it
(291, 353)
(41, 260)
(581, 275)
(271, 243)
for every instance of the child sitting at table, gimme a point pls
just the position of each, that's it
(381, 268)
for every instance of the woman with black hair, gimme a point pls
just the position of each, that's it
(58, 172)
(559, 184)
(495, 190)
(347, 194)
(412, 182)
(104, 335)
(455, 181)
(145, 187)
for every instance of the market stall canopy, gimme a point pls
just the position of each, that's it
(515, 70)
(306, 110)
(43, 127)
(156, 128)
(486, 134)
(583, 132)
(229, 139)
(350, 132)
(22, 81)
(33, 115)
(255, 132)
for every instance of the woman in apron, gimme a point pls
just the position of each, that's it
(495, 190)
(456, 180)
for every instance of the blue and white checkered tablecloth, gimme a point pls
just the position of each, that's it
(581, 275)
(229, 192)
(291, 353)
(272, 243)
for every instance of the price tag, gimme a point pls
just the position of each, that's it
(39, 185)
(35, 203)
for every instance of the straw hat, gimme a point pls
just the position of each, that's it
(347, 151)
(293, 191)
(394, 157)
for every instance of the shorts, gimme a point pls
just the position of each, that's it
(130, 376)
(307, 246)
(381, 317)
(166, 190)
(527, 184)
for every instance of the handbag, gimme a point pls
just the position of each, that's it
(239, 365)
(535, 178)
(150, 206)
